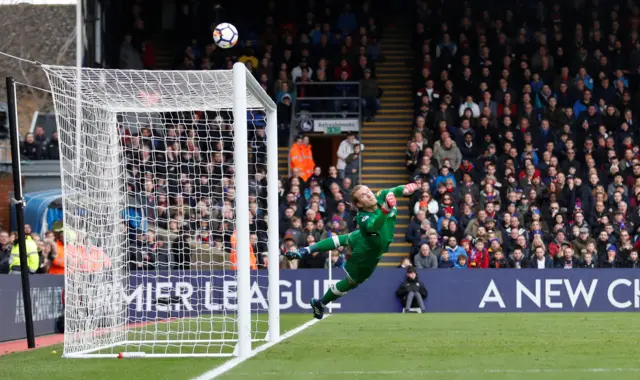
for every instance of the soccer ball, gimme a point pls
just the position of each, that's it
(225, 35)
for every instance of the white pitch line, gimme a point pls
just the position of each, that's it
(442, 372)
(229, 365)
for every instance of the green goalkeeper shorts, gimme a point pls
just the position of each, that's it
(362, 258)
(360, 272)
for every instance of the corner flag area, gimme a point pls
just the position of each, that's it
(392, 346)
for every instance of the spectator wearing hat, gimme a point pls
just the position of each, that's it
(412, 292)
(611, 260)
(580, 244)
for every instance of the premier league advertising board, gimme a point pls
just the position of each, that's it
(160, 295)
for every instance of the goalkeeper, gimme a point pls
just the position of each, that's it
(377, 221)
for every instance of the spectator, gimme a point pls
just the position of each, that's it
(39, 137)
(345, 149)
(352, 168)
(130, 58)
(315, 260)
(337, 260)
(301, 157)
(33, 259)
(5, 252)
(587, 261)
(370, 93)
(52, 148)
(411, 292)
(405, 263)
(424, 258)
(445, 261)
(540, 260)
(30, 149)
(447, 150)
(568, 261)
(517, 259)
(498, 260)
(461, 263)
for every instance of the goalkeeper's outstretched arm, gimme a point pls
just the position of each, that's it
(403, 190)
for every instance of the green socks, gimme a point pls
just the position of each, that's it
(337, 290)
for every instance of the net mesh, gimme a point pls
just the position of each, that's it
(149, 211)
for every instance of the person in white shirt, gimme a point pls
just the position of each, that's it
(297, 71)
(344, 150)
(469, 103)
(540, 260)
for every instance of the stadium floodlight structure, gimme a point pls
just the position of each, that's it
(188, 180)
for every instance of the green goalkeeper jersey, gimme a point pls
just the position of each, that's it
(376, 228)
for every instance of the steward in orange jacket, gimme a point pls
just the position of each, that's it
(301, 157)
(234, 258)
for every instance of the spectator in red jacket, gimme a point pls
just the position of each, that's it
(479, 256)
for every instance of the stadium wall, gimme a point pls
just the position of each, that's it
(550, 290)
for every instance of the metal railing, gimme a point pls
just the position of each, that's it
(324, 107)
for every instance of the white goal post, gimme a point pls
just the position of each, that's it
(170, 185)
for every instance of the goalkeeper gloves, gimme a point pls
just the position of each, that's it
(409, 188)
(389, 203)
(293, 255)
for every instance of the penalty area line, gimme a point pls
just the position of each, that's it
(231, 364)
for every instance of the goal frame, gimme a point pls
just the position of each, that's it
(242, 82)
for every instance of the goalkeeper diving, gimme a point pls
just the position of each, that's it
(376, 220)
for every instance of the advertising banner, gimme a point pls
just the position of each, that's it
(526, 290)
(46, 298)
(186, 294)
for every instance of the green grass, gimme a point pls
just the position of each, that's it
(396, 346)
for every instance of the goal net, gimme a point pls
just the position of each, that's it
(170, 202)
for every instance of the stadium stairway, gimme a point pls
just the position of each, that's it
(385, 138)
(283, 163)
(165, 49)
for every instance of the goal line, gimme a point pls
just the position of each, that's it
(231, 364)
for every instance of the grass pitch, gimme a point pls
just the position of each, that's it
(396, 346)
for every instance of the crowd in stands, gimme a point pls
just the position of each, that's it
(37, 146)
(525, 142)
(41, 252)
(180, 174)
